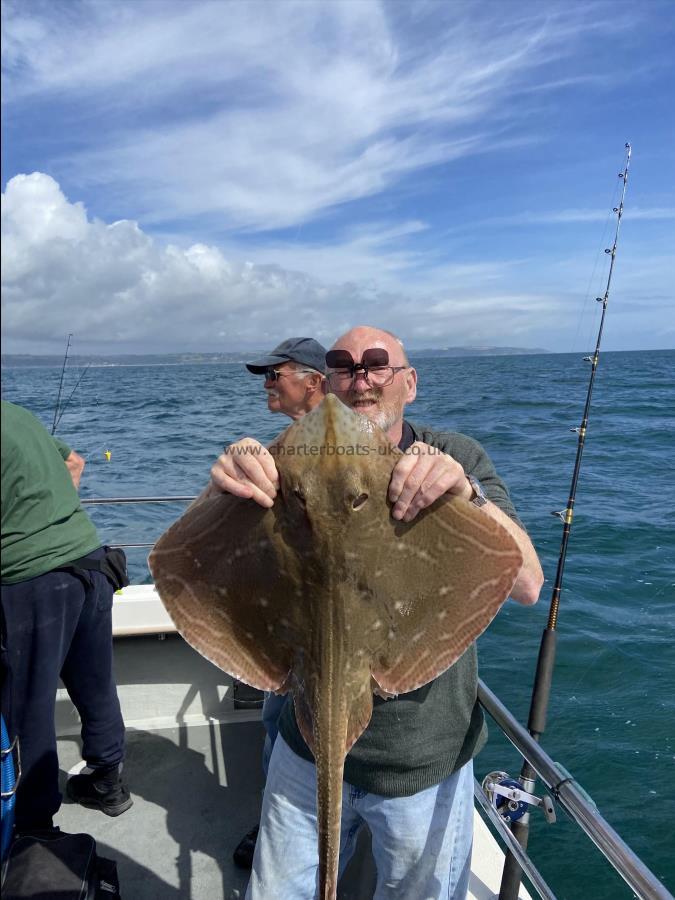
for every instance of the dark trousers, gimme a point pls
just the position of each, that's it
(58, 624)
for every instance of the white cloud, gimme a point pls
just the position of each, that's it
(116, 287)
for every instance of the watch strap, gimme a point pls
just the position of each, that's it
(478, 498)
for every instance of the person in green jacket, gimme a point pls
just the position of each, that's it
(410, 774)
(56, 622)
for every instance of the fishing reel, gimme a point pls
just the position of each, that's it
(511, 801)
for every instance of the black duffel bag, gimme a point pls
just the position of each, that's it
(58, 866)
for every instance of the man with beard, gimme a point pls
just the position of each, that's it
(410, 774)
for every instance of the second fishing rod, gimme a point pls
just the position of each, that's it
(547, 650)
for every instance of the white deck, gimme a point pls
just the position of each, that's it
(193, 767)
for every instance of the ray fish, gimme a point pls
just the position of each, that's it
(326, 596)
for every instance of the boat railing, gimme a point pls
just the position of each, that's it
(99, 501)
(562, 786)
(576, 803)
(93, 501)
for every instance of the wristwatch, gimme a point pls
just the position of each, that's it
(478, 498)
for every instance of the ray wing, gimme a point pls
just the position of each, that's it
(221, 572)
(460, 566)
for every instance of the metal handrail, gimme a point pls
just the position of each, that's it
(98, 500)
(582, 810)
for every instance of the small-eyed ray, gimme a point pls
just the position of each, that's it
(326, 596)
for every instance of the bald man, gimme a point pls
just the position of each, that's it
(410, 774)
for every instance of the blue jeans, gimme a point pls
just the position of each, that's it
(272, 706)
(421, 844)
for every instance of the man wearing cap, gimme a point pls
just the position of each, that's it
(294, 383)
(293, 376)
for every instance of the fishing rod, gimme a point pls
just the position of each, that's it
(541, 690)
(58, 396)
(65, 405)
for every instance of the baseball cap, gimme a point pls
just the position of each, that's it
(305, 351)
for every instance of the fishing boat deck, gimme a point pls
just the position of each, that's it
(194, 770)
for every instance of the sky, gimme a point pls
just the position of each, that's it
(216, 176)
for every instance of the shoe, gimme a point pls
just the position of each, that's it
(243, 855)
(101, 789)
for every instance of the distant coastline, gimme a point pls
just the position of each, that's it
(24, 360)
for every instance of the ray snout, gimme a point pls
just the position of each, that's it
(335, 428)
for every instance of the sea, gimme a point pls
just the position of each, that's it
(155, 431)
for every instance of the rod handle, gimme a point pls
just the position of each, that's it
(542, 682)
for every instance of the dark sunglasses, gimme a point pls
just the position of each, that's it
(372, 358)
(374, 367)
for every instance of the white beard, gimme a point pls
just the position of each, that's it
(385, 416)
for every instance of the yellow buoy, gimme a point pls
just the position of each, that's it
(108, 455)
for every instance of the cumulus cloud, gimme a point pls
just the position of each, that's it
(119, 289)
(113, 282)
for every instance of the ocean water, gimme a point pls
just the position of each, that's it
(612, 709)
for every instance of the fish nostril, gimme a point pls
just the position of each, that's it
(360, 501)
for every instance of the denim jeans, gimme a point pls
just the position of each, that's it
(272, 706)
(421, 844)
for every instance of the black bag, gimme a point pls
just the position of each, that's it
(113, 564)
(114, 567)
(58, 866)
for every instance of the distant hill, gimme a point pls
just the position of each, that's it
(15, 360)
(437, 352)
(19, 360)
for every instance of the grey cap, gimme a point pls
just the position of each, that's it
(305, 351)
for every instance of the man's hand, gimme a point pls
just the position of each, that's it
(246, 469)
(75, 465)
(421, 476)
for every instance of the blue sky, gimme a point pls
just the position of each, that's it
(221, 175)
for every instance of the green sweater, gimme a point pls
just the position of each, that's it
(417, 739)
(43, 524)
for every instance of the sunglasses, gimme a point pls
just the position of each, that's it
(274, 374)
(374, 367)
